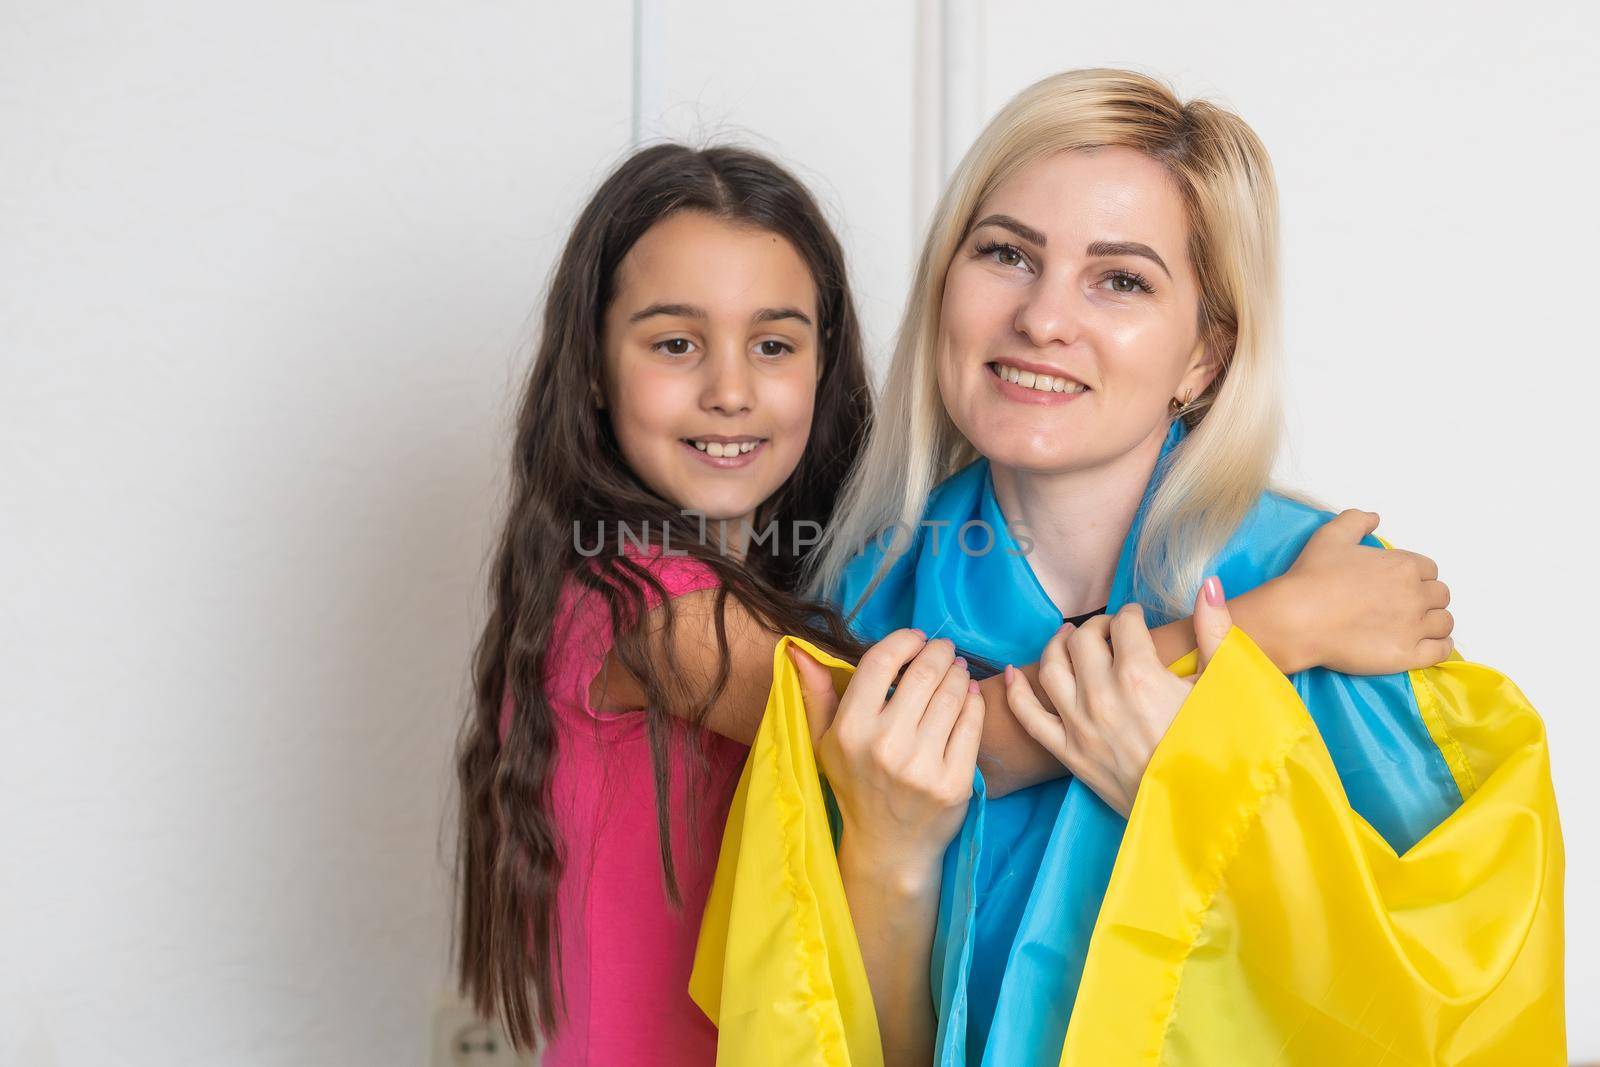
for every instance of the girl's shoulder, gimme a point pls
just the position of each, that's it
(583, 626)
(581, 636)
(677, 572)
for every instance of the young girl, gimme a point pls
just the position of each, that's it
(697, 400)
(700, 371)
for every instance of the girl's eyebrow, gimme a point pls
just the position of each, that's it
(774, 314)
(689, 311)
(676, 311)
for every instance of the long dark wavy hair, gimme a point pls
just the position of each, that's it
(566, 469)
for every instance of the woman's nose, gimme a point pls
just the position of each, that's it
(1049, 315)
(729, 389)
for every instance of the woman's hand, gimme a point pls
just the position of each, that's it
(1358, 609)
(901, 768)
(1113, 696)
(900, 765)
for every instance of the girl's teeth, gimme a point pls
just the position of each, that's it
(721, 450)
(1044, 383)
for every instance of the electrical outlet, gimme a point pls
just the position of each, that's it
(461, 1039)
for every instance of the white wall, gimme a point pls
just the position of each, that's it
(265, 292)
(266, 279)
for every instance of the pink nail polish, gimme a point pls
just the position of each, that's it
(919, 633)
(961, 662)
(1009, 671)
(972, 687)
(1213, 588)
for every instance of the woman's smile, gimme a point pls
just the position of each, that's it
(1033, 383)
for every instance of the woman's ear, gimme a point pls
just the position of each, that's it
(1202, 370)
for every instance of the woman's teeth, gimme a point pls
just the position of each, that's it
(1044, 383)
(721, 450)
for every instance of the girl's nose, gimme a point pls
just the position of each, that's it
(729, 389)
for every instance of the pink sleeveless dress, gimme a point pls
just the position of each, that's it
(626, 951)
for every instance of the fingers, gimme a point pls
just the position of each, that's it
(1047, 729)
(961, 750)
(924, 676)
(1132, 648)
(939, 716)
(1349, 526)
(1436, 594)
(1212, 620)
(1056, 678)
(1438, 624)
(816, 691)
(1088, 647)
(1426, 569)
(882, 663)
(1434, 650)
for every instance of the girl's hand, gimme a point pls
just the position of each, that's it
(1363, 610)
(1114, 700)
(900, 765)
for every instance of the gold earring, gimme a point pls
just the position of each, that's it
(1175, 405)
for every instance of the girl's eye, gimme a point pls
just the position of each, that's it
(772, 349)
(1006, 255)
(1125, 281)
(674, 346)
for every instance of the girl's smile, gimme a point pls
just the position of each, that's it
(725, 453)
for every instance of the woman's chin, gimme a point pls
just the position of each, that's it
(1040, 453)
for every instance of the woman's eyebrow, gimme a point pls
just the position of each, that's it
(1021, 229)
(1127, 248)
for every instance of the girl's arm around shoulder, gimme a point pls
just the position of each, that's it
(1343, 605)
(682, 645)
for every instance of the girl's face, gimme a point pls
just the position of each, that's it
(711, 363)
(1070, 314)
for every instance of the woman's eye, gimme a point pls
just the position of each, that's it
(1005, 255)
(1124, 282)
(675, 346)
(773, 348)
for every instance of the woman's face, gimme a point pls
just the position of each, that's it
(711, 363)
(1070, 314)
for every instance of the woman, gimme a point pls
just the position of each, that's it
(1090, 351)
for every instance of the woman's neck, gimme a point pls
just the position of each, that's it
(1078, 521)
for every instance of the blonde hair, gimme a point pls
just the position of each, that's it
(1218, 471)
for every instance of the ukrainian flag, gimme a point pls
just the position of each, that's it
(1318, 869)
